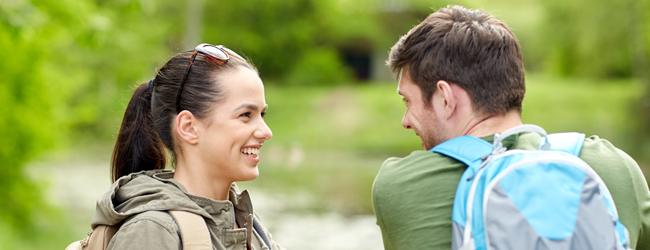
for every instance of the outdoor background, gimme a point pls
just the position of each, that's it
(68, 68)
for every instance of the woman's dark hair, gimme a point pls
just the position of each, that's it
(146, 129)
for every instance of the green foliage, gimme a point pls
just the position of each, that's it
(274, 34)
(293, 41)
(594, 38)
(584, 38)
(25, 105)
(88, 52)
(48, 230)
(319, 67)
(63, 62)
(594, 107)
(582, 104)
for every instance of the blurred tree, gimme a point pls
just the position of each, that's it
(602, 39)
(27, 125)
(599, 38)
(276, 35)
(66, 63)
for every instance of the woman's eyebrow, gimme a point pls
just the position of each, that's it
(251, 106)
(247, 106)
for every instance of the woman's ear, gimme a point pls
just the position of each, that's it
(186, 127)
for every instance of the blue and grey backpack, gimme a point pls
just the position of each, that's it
(531, 199)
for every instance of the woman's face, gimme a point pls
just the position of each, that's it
(235, 131)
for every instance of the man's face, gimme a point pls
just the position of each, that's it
(419, 117)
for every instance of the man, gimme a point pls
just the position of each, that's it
(460, 72)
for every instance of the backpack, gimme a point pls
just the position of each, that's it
(194, 233)
(530, 199)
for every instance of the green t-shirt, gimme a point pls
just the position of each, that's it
(413, 196)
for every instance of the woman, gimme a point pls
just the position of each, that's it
(206, 107)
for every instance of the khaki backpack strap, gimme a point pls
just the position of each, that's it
(194, 231)
(97, 240)
(101, 236)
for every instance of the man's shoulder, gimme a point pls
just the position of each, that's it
(418, 158)
(419, 168)
(416, 190)
(602, 152)
(616, 167)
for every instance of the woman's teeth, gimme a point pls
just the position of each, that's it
(251, 151)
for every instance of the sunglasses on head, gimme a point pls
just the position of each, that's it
(216, 52)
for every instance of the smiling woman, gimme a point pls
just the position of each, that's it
(206, 107)
(224, 147)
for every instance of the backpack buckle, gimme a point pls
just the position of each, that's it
(84, 242)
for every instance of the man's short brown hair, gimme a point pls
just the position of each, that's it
(470, 48)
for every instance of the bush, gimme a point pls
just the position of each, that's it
(319, 66)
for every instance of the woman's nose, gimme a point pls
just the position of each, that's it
(263, 132)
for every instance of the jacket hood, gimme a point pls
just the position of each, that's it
(153, 190)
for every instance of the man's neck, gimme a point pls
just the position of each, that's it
(487, 125)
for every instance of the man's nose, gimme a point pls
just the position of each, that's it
(405, 122)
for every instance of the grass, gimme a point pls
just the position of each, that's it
(363, 118)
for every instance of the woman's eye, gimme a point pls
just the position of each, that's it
(263, 115)
(247, 114)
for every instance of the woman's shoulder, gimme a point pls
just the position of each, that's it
(146, 230)
(162, 218)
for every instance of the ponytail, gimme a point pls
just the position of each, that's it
(138, 146)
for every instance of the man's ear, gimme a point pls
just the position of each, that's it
(186, 127)
(447, 101)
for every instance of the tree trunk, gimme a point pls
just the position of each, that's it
(193, 23)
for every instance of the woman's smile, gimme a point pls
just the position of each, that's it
(252, 152)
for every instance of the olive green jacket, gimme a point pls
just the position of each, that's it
(141, 200)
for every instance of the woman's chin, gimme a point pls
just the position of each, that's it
(250, 174)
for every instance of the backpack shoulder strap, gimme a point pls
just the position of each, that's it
(97, 240)
(567, 142)
(466, 149)
(194, 231)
